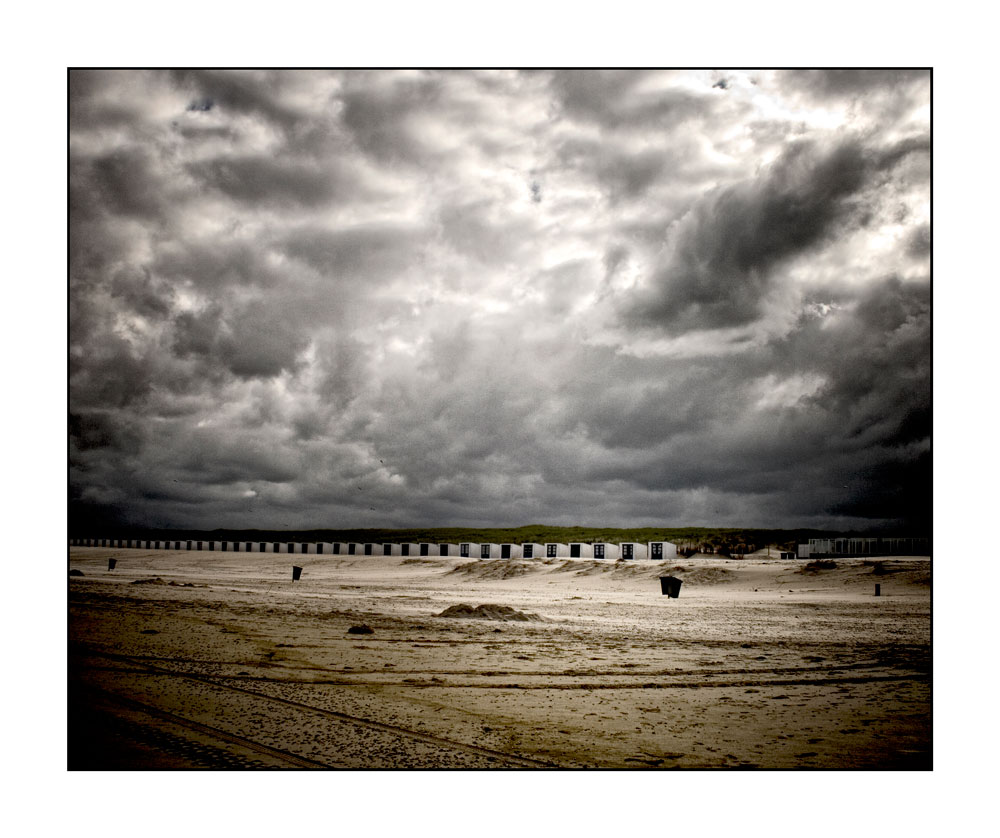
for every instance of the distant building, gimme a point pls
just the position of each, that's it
(860, 546)
(658, 550)
(510, 551)
(632, 550)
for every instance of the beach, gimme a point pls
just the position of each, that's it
(183, 660)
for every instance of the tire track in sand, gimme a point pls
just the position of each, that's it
(396, 730)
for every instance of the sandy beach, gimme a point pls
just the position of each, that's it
(206, 660)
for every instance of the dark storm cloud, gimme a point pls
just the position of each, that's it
(445, 298)
(616, 99)
(258, 179)
(381, 116)
(848, 82)
(366, 253)
(128, 184)
(251, 341)
(721, 257)
(258, 93)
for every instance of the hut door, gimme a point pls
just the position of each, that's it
(574, 551)
(656, 549)
(626, 551)
(504, 551)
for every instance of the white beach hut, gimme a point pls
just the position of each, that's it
(448, 549)
(555, 550)
(532, 550)
(353, 548)
(658, 550)
(469, 550)
(427, 549)
(581, 550)
(510, 551)
(632, 550)
(489, 551)
(605, 550)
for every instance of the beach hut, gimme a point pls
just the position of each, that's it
(469, 550)
(425, 548)
(581, 550)
(355, 548)
(448, 549)
(555, 550)
(605, 550)
(661, 550)
(406, 548)
(532, 550)
(510, 551)
(632, 550)
(489, 551)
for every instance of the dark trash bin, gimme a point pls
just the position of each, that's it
(670, 586)
(112, 563)
(296, 573)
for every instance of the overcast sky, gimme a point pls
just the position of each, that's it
(389, 299)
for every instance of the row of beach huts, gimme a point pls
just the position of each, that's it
(529, 550)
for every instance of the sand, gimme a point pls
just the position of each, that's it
(220, 660)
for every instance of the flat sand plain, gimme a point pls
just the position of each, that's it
(209, 660)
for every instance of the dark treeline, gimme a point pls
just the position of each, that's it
(735, 541)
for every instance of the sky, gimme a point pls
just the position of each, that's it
(331, 299)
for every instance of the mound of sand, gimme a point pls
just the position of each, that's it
(487, 612)
(154, 581)
(493, 569)
(75, 572)
(693, 575)
(818, 565)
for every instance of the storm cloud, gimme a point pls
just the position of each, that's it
(408, 298)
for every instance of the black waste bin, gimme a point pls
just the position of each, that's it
(112, 563)
(296, 573)
(670, 586)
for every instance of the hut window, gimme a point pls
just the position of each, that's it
(550, 550)
(598, 551)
